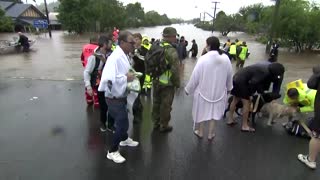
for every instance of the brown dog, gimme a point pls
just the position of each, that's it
(276, 110)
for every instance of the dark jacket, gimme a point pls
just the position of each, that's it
(258, 77)
(139, 63)
(23, 40)
(194, 49)
(182, 50)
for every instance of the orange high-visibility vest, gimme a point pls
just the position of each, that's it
(88, 50)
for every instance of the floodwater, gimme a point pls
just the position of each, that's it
(59, 58)
(48, 132)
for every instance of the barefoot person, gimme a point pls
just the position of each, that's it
(210, 82)
(248, 81)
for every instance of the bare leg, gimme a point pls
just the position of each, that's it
(234, 102)
(245, 115)
(211, 133)
(199, 132)
(314, 149)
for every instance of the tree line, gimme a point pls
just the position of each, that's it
(102, 15)
(297, 23)
(6, 24)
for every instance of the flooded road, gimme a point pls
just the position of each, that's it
(48, 132)
(59, 58)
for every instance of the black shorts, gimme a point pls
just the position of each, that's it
(241, 90)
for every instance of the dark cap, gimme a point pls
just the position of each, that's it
(169, 31)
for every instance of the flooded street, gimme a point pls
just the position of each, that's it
(48, 132)
(59, 58)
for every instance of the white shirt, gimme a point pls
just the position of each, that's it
(89, 69)
(114, 80)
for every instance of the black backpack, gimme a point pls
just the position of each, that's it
(155, 62)
(294, 128)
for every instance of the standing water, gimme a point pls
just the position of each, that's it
(59, 58)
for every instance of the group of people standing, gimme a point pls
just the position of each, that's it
(237, 51)
(211, 82)
(108, 72)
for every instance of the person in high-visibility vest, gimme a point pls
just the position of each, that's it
(301, 99)
(141, 49)
(88, 50)
(238, 43)
(314, 144)
(165, 85)
(242, 56)
(147, 84)
(227, 44)
(233, 51)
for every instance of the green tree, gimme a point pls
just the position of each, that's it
(313, 32)
(6, 23)
(74, 15)
(108, 13)
(135, 15)
(293, 22)
(224, 23)
(152, 18)
(297, 24)
(103, 15)
(251, 18)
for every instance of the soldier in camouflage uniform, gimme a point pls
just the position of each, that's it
(165, 85)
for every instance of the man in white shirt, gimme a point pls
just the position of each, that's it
(114, 81)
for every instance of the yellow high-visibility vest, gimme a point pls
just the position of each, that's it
(243, 53)
(233, 49)
(165, 77)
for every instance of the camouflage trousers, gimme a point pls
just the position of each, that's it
(162, 102)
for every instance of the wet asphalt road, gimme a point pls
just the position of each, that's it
(48, 132)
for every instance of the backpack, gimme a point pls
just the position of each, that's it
(155, 62)
(295, 128)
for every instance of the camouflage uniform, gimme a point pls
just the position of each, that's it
(163, 93)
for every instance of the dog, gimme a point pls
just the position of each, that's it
(264, 98)
(275, 110)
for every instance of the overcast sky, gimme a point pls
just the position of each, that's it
(188, 9)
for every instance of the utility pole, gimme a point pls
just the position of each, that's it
(47, 13)
(214, 13)
(274, 25)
